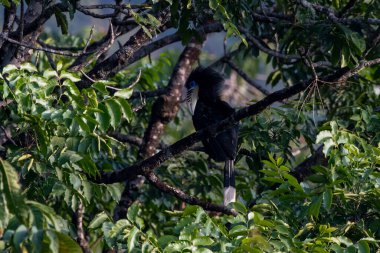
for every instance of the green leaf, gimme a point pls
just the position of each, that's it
(49, 73)
(132, 212)
(132, 239)
(153, 20)
(274, 179)
(100, 86)
(315, 207)
(114, 111)
(92, 98)
(147, 32)
(28, 67)
(59, 66)
(124, 93)
(75, 181)
(72, 87)
(48, 212)
(67, 244)
(163, 241)
(293, 182)
(71, 76)
(6, 3)
(10, 185)
(238, 206)
(61, 21)
(203, 241)
(115, 191)
(53, 241)
(364, 247)
(99, 219)
(213, 4)
(69, 156)
(9, 68)
(238, 230)
(126, 109)
(19, 236)
(358, 42)
(37, 240)
(103, 117)
(323, 135)
(83, 125)
(327, 199)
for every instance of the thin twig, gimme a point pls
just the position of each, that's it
(99, 52)
(89, 39)
(260, 45)
(48, 50)
(85, 75)
(179, 194)
(249, 80)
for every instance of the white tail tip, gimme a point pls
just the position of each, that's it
(229, 195)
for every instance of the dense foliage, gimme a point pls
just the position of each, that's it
(308, 177)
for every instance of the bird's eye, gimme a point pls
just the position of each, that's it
(193, 84)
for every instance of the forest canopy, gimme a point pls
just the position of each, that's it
(98, 152)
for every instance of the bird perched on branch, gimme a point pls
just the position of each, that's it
(204, 87)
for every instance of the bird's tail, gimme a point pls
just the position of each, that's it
(229, 182)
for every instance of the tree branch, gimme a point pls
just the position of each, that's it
(256, 42)
(249, 80)
(165, 108)
(148, 93)
(162, 186)
(47, 50)
(333, 16)
(80, 231)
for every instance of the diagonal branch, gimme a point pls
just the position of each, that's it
(43, 49)
(244, 75)
(166, 107)
(254, 41)
(333, 16)
(162, 186)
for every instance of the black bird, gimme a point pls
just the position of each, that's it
(204, 87)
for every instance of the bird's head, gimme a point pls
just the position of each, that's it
(204, 84)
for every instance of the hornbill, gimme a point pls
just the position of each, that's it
(204, 87)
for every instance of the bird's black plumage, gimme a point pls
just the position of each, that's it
(210, 109)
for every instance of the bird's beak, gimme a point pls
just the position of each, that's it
(191, 98)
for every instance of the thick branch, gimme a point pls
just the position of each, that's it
(166, 107)
(80, 231)
(363, 64)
